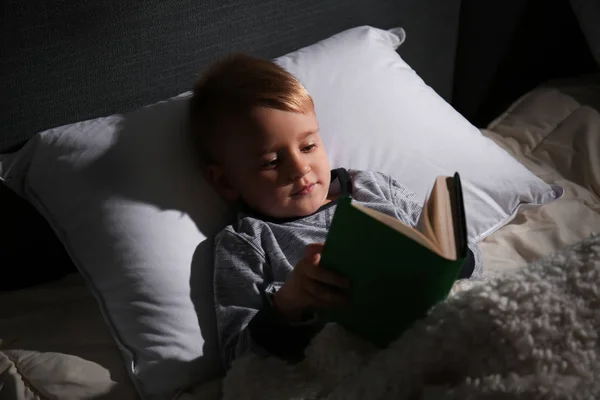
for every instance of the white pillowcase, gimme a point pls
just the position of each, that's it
(376, 113)
(125, 197)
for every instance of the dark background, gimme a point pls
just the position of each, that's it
(506, 48)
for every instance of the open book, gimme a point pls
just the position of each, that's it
(397, 272)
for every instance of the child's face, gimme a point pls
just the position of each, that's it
(275, 163)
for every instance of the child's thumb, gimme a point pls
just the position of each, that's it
(313, 251)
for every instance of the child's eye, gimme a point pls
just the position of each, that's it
(269, 164)
(308, 148)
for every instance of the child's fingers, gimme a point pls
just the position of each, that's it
(323, 296)
(312, 253)
(312, 270)
(329, 277)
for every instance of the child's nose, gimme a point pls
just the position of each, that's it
(299, 169)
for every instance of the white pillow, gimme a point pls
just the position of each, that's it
(376, 113)
(125, 197)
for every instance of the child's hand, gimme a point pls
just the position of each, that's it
(310, 286)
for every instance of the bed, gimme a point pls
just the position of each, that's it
(54, 339)
(552, 130)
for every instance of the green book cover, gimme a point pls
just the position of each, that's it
(394, 280)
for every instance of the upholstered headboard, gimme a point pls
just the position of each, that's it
(65, 61)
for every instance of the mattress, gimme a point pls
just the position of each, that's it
(54, 343)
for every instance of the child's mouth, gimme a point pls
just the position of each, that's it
(305, 190)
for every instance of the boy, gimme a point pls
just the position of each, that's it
(258, 135)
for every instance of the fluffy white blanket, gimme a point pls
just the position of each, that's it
(530, 334)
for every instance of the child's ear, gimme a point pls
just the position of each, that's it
(216, 177)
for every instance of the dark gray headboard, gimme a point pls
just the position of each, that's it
(70, 60)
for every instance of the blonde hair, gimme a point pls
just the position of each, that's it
(233, 86)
